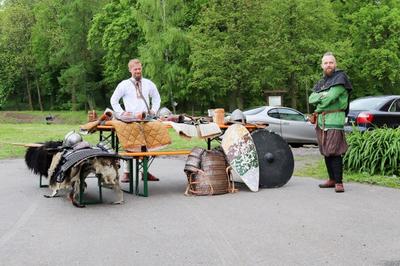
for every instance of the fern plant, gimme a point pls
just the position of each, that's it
(374, 152)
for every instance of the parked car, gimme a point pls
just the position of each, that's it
(290, 124)
(374, 111)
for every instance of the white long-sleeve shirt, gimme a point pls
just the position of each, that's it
(132, 102)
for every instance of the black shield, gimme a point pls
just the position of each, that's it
(275, 158)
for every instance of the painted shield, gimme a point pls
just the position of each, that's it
(241, 154)
(275, 158)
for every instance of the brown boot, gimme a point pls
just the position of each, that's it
(151, 177)
(125, 178)
(329, 183)
(339, 188)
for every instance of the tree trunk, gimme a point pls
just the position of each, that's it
(28, 91)
(240, 101)
(232, 101)
(239, 96)
(39, 95)
(73, 98)
(308, 104)
(293, 90)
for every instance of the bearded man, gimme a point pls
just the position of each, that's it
(331, 98)
(136, 93)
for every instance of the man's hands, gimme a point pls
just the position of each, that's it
(138, 115)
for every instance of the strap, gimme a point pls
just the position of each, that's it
(231, 182)
(191, 187)
(141, 95)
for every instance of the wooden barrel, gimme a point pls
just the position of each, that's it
(193, 161)
(213, 179)
(219, 115)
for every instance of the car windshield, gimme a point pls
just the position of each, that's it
(254, 111)
(366, 104)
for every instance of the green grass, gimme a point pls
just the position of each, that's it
(313, 169)
(31, 133)
(318, 170)
(180, 143)
(39, 132)
(31, 127)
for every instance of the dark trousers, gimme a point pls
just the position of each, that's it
(334, 165)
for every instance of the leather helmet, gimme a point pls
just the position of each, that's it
(71, 139)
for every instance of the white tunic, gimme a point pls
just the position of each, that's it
(132, 102)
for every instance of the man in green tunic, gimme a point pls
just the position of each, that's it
(331, 98)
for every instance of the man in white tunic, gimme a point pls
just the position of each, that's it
(136, 93)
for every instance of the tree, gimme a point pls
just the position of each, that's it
(15, 28)
(222, 45)
(46, 41)
(165, 51)
(76, 78)
(297, 35)
(115, 36)
(375, 31)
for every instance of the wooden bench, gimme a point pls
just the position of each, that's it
(143, 161)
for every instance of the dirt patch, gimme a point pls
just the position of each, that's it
(18, 117)
(21, 117)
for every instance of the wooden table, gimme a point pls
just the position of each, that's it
(113, 139)
(144, 159)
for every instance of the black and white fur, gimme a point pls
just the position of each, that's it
(44, 160)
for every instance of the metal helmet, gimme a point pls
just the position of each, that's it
(71, 139)
(164, 112)
(237, 116)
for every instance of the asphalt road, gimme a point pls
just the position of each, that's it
(297, 224)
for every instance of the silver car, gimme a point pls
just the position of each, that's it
(290, 124)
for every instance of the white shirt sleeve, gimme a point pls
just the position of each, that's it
(115, 98)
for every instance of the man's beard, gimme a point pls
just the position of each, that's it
(138, 78)
(328, 72)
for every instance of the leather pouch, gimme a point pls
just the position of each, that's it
(313, 118)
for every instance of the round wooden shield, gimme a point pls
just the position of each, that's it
(275, 159)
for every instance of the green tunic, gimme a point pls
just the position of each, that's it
(335, 98)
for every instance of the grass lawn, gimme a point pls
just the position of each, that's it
(319, 171)
(30, 133)
(31, 127)
(39, 132)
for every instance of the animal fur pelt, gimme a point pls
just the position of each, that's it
(38, 159)
(47, 159)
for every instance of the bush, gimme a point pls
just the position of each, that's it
(374, 152)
